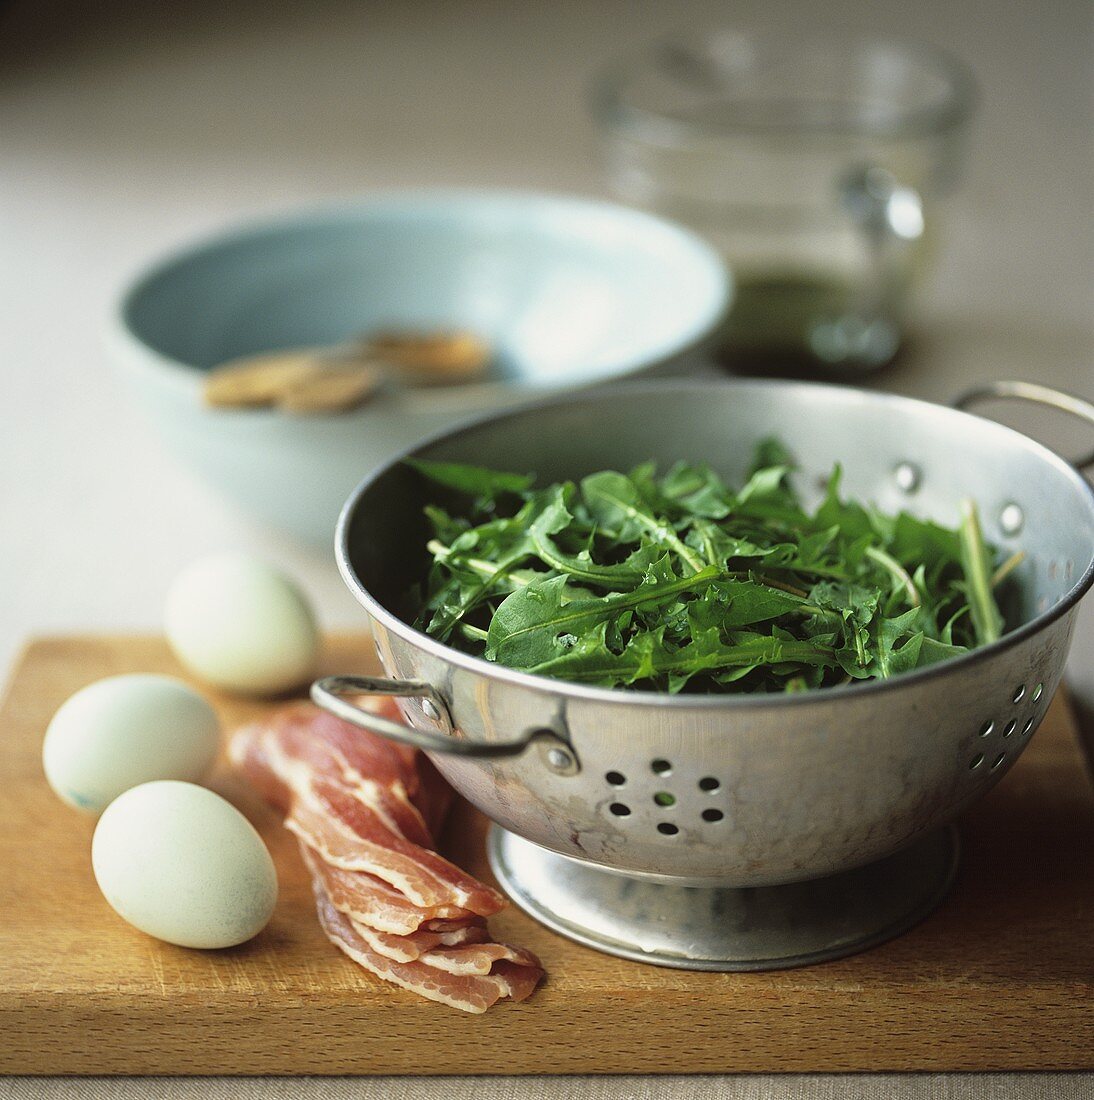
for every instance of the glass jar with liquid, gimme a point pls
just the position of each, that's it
(816, 167)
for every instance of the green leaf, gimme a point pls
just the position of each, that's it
(698, 491)
(677, 583)
(755, 603)
(770, 452)
(933, 651)
(615, 504)
(525, 628)
(765, 484)
(556, 517)
(921, 538)
(889, 659)
(473, 480)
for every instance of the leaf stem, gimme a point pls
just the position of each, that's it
(986, 620)
(1007, 568)
(606, 576)
(781, 585)
(900, 574)
(476, 565)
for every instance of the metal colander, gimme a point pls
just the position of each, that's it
(732, 832)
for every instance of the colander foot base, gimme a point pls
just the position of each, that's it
(703, 928)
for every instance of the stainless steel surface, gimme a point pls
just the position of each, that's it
(690, 928)
(334, 692)
(1036, 394)
(745, 791)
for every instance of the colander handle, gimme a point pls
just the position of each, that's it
(1036, 394)
(332, 692)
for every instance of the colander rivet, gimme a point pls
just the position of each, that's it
(907, 477)
(559, 759)
(1011, 519)
(429, 709)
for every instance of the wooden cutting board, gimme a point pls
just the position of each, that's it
(1000, 977)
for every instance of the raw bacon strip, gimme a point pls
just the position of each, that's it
(341, 817)
(425, 878)
(418, 944)
(372, 901)
(447, 925)
(302, 757)
(470, 933)
(478, 958)
(372, 760)
(340, 847)
(456, 886)
(327, 745)
(360, 806)
(298, 766)
(470, 993)
(248, 750)
(520, 981)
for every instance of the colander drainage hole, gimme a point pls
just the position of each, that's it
(709, 784)
(660, 767)
(616, 779)
(1027, 727)
(620, 809)
(713, 815)
(663, 798)
(1019, 693)
(976, 761)
(666, 828)
(998, 760)
(1008, 729)
(1038, 691)
(986, 728)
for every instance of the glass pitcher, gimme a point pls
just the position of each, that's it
(816, 166)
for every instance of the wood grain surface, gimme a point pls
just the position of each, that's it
(1001, 976)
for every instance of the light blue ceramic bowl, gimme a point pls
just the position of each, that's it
(570, 292)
